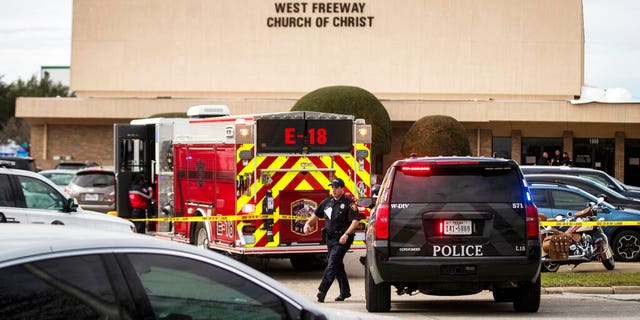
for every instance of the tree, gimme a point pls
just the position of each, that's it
(18, 129)
(436, 136)
(357, 102)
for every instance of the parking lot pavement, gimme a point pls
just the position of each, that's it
(306, 282)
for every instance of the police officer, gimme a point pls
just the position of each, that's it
(139, 196)
(341, 216)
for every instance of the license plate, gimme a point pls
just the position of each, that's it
(91, 197)
(457, 227)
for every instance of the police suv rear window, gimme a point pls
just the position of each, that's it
(445, 183)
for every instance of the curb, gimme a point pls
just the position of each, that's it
(593, 290)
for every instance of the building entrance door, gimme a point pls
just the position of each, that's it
(632, 162)
(532, 148)
(595, 153)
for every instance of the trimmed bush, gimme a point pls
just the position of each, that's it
(354, 101)
(436, 136)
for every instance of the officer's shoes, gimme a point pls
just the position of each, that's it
(341, 297)
(320, 296)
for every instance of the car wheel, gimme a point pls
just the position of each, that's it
(527, 296)
(503, 295)
(377, 296)
(626, 246)
(609, 264)
(550, 267)
(201, 238)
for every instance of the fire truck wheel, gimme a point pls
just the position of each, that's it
(201, 239)
(310, 261)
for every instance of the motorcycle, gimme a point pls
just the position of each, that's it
(577, 244)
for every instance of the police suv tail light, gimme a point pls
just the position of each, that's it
(533, 226)
(382, 222)
(441, 227)
(415, 170)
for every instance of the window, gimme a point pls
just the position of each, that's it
(540, 198)
(40, 195)
(569, 200)
(191, 289)
(501, 147)
(6, 192)
(94, 179)
(63, 288)
(457, 184)
(597, 178)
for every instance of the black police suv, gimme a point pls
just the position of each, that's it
(453, 226)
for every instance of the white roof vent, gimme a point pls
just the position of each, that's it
(208, 111)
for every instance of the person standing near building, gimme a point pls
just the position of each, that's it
(557, 158)
(139, 197)
(544, 160)
(341, 216)
(566, 160)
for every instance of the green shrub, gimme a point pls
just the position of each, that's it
(354, 101)
(436, 136)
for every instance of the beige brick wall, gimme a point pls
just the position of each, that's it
(619, 156)
(516, 145)
(81, 142)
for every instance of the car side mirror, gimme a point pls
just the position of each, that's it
(366, 202)
(70, 205)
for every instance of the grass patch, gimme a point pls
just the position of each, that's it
(590, 279)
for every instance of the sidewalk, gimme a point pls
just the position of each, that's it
(593, 290)
(633, 288)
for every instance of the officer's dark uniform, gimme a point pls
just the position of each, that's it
(343, 212)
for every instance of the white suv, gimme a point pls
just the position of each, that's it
(27, 197)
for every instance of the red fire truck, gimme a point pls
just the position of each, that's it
(245, 184)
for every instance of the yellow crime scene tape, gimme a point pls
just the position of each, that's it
(218, 218)
(589, 223)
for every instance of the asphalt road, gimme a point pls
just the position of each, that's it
(479, 306)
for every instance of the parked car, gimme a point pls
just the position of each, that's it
(28, 197)
(50, 273)
(453, 226)
(60, 177)
(76, 165)
(22, 163)
(556, 200)
(94, 188)
(596, 175)
(588, 185)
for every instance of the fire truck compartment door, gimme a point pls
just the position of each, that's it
(299, 204)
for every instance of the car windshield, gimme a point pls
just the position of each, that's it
(94, 179)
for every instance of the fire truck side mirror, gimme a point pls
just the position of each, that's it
(366, 202)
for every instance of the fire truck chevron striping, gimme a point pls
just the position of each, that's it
(245, 184)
